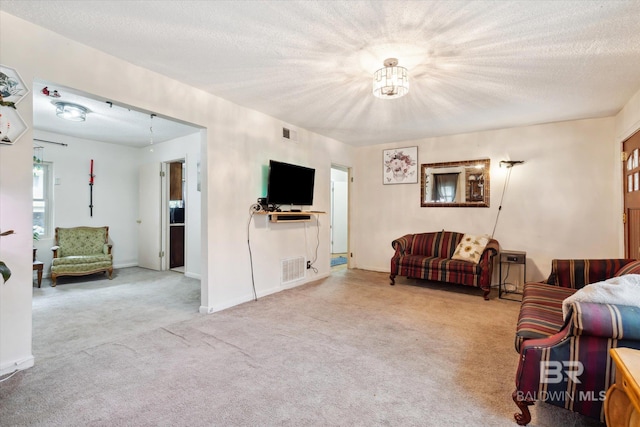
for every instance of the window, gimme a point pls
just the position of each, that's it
(445, 186)
(42, 199)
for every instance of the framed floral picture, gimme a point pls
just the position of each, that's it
(12, 87)
(400, 166)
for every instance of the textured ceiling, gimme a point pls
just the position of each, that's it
(106, 121)
(473, 65)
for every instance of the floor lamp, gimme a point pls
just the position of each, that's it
(509, 164)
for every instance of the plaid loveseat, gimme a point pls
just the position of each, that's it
(81, 250)
(566, 362)
(428, 256)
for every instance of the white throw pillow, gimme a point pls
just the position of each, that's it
(471, 247)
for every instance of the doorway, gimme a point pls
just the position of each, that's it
(339, 218)
(177, 218)
(169, 224)
(116, 143)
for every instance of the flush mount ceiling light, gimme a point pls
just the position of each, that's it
(73, 112)
(391, 81)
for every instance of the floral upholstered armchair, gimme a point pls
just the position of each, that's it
(80, 251)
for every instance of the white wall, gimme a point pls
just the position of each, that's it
(559, 204)
(16, 180)
(239, 143)
(236, 179)
(115, 198)
(115, 192)
(339, 175)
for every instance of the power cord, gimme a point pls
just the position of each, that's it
(252, 210)
(9, 376)
(315, 256)
(515, 287)
(256, 207)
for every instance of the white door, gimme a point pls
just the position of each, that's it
(339, 201)
(149, 211)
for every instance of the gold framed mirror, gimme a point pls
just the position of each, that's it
(464, 183)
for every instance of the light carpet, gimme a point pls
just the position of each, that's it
(349, 350)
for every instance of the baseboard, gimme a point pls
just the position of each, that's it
(206, 310)
(209, 310)
(17, 365)
(47, 275)
(232, 303)
(126, 265)
(376, 269)
(193, 276)
(313, 279)
(263, 293)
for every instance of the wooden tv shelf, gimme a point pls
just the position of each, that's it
(303, 216)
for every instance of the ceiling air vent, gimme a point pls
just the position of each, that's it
(289, 134)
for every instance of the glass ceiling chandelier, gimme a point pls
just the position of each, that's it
(69, 111)
(391, 81)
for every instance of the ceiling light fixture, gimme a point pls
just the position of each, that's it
(391, 81)
(73, 112)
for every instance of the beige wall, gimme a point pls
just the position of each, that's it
(628, 120)
(559, 204)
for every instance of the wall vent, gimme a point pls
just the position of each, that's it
(293, 269)
(289, 134)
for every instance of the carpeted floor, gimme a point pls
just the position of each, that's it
(349, 350)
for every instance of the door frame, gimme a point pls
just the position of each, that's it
(627, 218)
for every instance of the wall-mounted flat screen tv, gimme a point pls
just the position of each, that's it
(290, 184)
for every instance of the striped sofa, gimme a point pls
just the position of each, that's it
(428, 256)
(566, 362)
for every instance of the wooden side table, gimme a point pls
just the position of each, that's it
(38, 266)
(622, 402)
